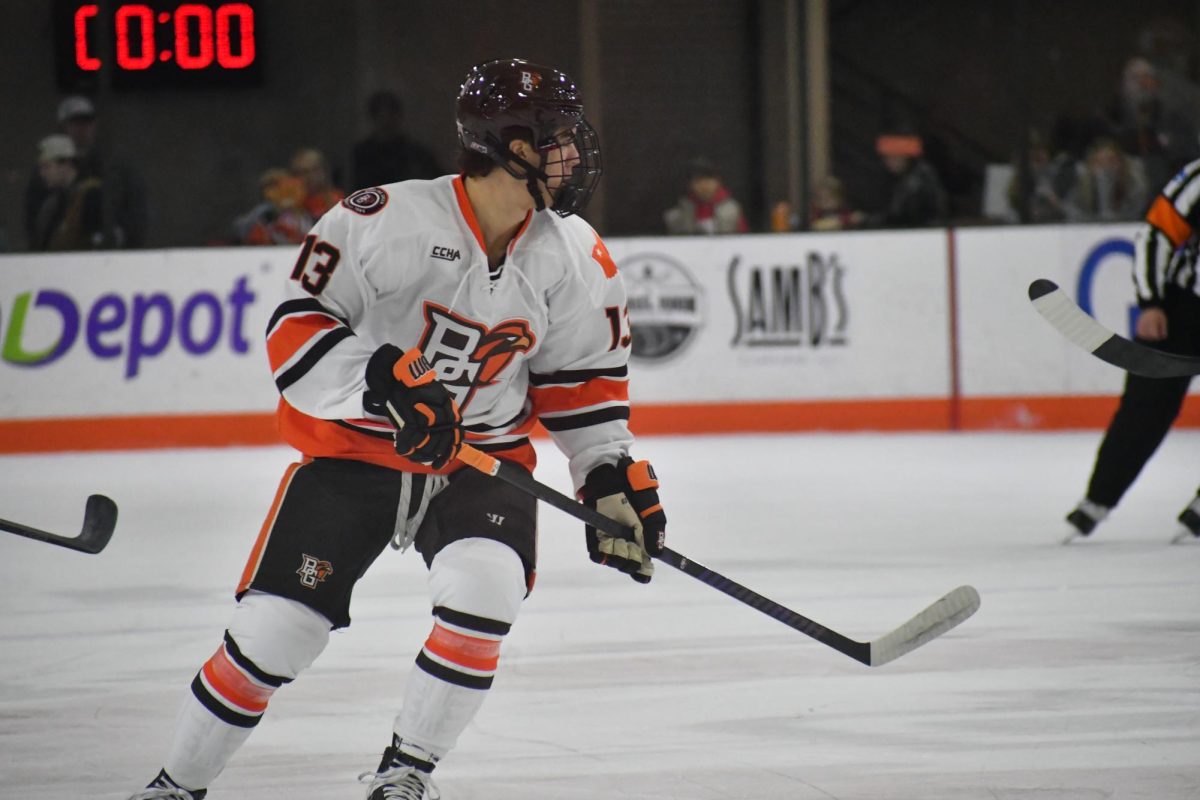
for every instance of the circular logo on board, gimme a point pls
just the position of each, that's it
(665, 305)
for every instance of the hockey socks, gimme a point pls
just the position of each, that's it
(476, 586)
(269, 641)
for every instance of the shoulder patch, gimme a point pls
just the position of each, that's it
(366, 201)
(600, 256)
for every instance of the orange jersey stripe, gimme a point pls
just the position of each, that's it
(588, 393)
(260, 544)
(233, 685)
(464, 206)
(292, 334)
(467, 651)
(520, 231)
(1164, 216)
(322, 438)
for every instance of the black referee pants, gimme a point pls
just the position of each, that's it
(1148, 408)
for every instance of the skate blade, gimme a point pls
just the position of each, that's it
(1073, 536)
(1184, 535)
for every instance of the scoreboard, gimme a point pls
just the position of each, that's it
(156, 44)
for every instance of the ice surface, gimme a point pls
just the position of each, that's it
(1078, 678)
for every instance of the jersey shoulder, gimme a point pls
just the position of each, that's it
(1186, 178)
(577, 246)
(394, 206)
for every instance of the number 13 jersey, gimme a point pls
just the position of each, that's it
(543, 336)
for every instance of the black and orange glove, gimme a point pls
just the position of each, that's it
(628, 493)
(402, 387)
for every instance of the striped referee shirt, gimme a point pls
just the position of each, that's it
(1166, 247)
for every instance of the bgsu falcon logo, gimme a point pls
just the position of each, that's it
(530, 80)
(313, 570)
(466, 354)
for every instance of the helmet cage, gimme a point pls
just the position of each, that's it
(499, 102)
(572, 194)
(574, 191)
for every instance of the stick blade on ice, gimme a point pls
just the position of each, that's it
(99, 522)
(946, 613)
(1082, 330)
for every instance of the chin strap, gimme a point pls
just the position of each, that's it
(531, 175)
(532, 185)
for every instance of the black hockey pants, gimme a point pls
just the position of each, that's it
(1148, 408)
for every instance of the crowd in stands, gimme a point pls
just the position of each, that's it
(1107, 167)
(292, 199)
(1103, 167)
(79, 198)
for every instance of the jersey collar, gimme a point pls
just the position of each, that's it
(468, 215)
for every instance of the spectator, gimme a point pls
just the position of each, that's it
(1042, 181)
(320, 194)
(707, 207)
(1111, 186)
(280, 218)
(829, 210)
(69, 217)
(1167, 44)
(127, 209)
(783, 217)
(915, 197)
(386, 155)
(1144, 126)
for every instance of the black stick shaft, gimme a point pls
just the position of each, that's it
(860, 651)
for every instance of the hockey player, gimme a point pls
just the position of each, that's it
(422, 315)
(1165, 263)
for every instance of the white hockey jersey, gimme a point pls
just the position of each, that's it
(542, 337)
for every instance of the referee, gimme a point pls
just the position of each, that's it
(1164, 272)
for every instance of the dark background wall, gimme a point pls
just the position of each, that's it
(972, 77)
(673, 79)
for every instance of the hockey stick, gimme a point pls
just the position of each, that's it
(925, 626)
(1077, 326)
(99, 521)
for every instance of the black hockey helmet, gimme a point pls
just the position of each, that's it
(498, 97)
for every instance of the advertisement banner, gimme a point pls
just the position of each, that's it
(787, 317)
(151, 332)
(828, 331)
(1005, 347)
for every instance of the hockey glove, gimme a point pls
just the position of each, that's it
(628, 493)
(402, 387)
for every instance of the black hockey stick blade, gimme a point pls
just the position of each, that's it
(1081, 329)
(99, 521)
(931, 623)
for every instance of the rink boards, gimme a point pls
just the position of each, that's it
(912, 330)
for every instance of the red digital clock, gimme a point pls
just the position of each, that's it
(155, 43)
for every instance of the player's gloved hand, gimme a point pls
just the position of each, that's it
(628, 493)
(402, 387)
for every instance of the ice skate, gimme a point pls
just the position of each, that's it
(1189, 519)
(1084, 519)
(163, 788)
(400, 777)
